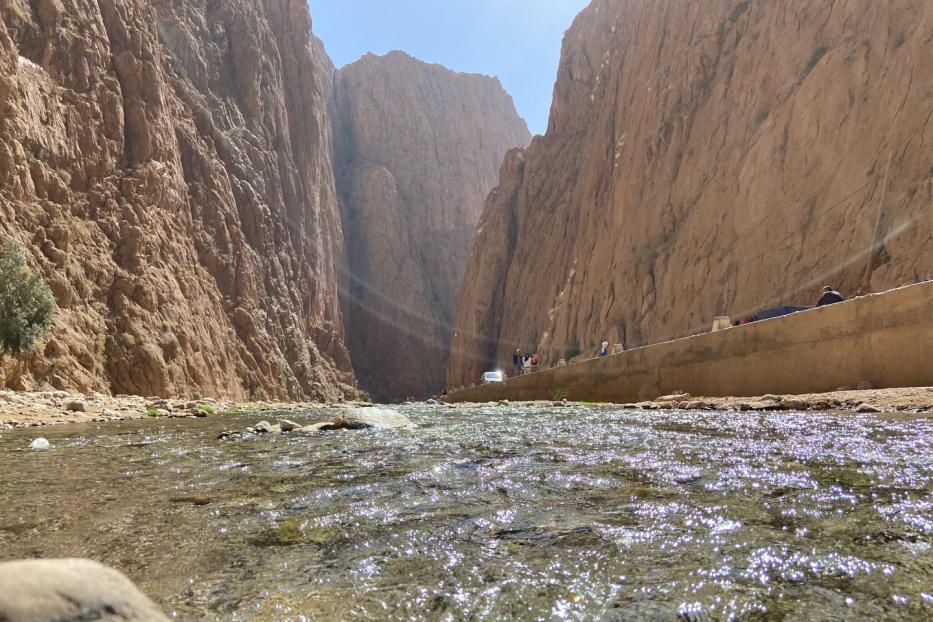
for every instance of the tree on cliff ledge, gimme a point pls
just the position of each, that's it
(26, 303)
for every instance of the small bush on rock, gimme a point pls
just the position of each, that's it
(26, 302)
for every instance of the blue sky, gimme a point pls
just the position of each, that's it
(517, 40)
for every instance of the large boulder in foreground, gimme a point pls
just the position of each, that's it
(364, 418)
(71, 589)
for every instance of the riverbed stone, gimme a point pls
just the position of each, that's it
(288, 426)
(324, 426)
(364, 418)
(39, 444)
(675, 397)
(759, 405)
(263, 427)
(71, 589)
(869, 408)
(76, 406)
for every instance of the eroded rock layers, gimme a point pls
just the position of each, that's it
(707, 158)
(167, 165)
(418, 149)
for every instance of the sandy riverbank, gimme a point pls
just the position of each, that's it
(21, 410)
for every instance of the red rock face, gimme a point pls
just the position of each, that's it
(702, 159)
(419, 147)
(167, 165)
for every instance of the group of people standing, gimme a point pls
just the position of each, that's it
(525, 362)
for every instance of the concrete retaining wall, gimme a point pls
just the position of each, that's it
(884, 339)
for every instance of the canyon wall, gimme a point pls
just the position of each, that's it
(702, 159)
(167, 166)
(417, 149)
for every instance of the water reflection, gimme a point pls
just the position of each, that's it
(495, 513)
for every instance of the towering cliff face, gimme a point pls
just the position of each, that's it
(418, 148)
(167, 165)
(707, 158)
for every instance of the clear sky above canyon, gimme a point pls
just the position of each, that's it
(517, 40)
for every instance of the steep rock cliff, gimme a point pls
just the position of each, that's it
(418, 147)
(707, 158)
(168, 166)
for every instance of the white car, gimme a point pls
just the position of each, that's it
(492, 376)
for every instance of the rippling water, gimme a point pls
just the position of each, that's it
(495, 513)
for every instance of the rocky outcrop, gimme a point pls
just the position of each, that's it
(71, 589)
(168, 166)
(703, 159)
(418, 147)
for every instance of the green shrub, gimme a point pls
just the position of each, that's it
(282, 367)
(207, 409)
(26, 303)
(153, 412)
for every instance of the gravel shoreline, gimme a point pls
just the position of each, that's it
(35, 409)
(24, 410)
(913, 400)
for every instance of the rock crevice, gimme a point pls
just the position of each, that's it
(417, 148)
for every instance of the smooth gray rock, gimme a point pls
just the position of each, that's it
(54, 590)
(364, 418)
(40, 444)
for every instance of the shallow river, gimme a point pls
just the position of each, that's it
(494, 513)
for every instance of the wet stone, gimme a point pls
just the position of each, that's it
(364, 418)
(263, 427)
(288, 426)
(324, 426)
